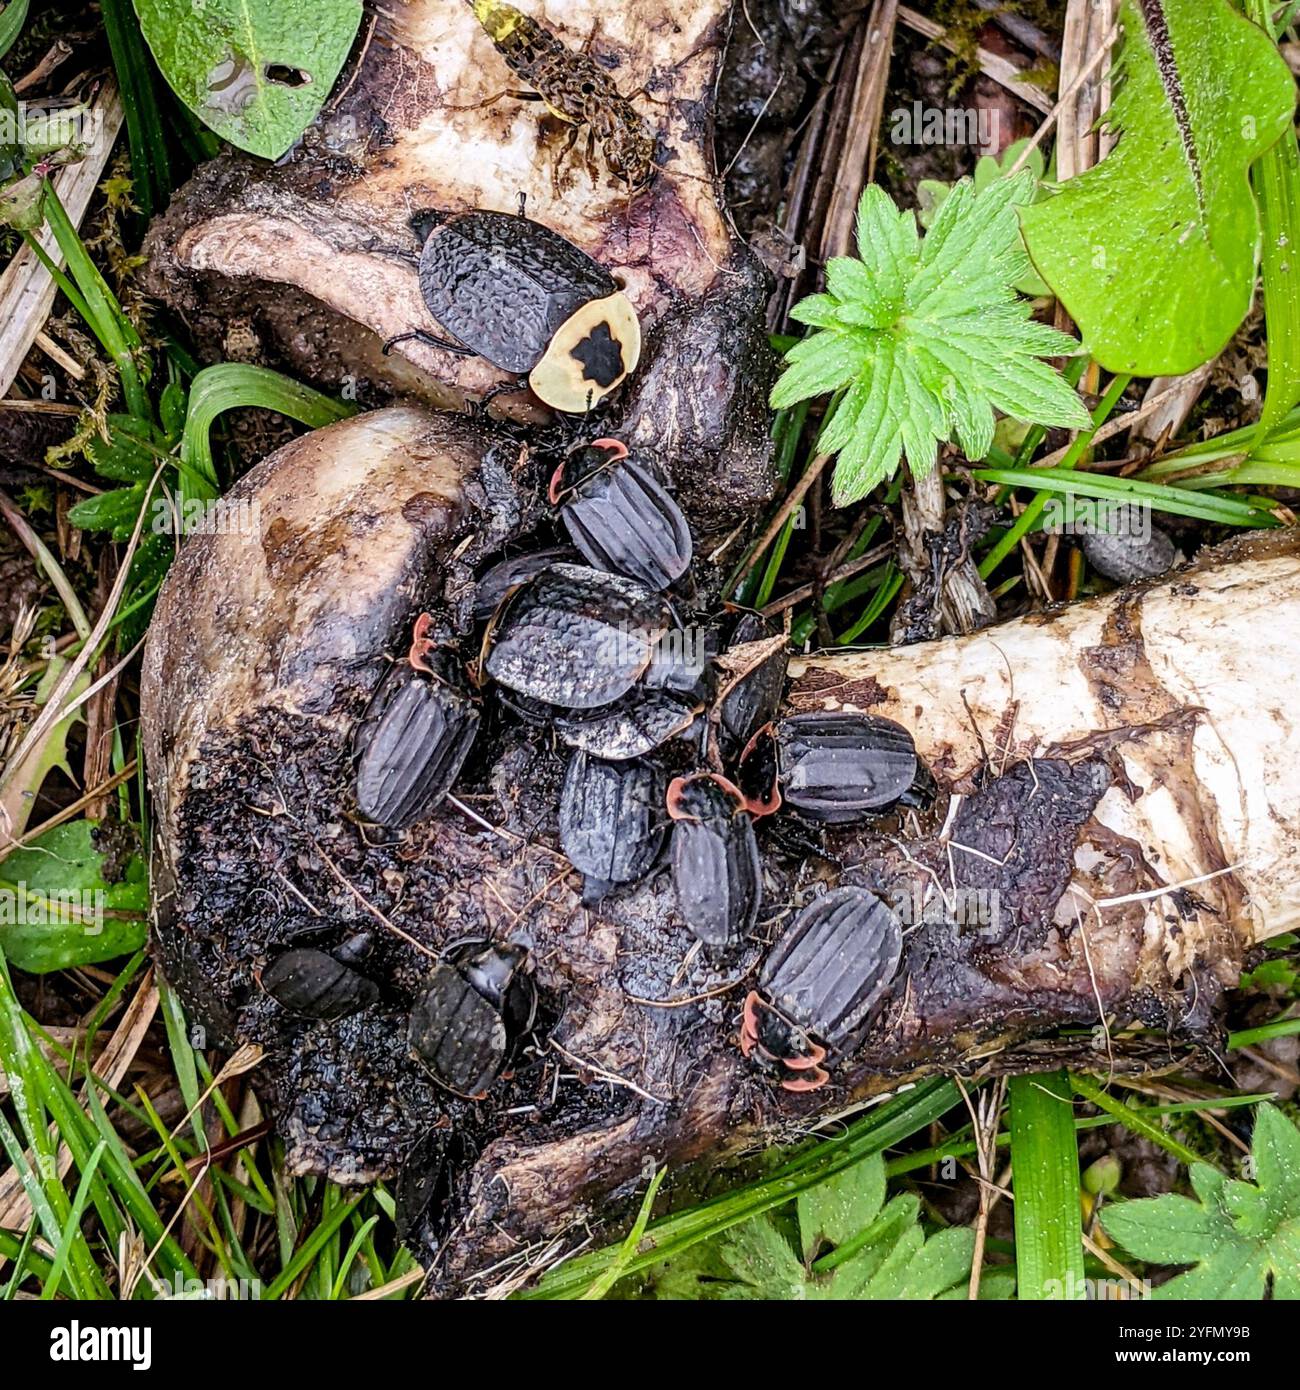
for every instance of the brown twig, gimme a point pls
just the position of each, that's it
(856, 164)
(792, 501)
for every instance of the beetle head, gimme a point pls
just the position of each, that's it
(703, 796)
(758, 773)
(423, 222)
(779, 1047)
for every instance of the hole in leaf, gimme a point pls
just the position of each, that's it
(285, 76)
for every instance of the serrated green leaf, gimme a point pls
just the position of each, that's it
(926, 338)
(835, 1211)
(255, 71)
(943, 1261)
(1235, 1234)
(887, 241)
(822, 363)
(878, 1253)
(1153, 250)
(817, 311)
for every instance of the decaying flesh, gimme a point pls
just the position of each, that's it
(1125, 829)
(409, 130)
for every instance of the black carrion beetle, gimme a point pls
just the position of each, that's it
(749, 693)
(309, 982)
(819, 986)
(414, 736)
(531, 303)
(620, 514)
(840, 767)
(575, 637)
(476, 1005)
(612, 822)
(717, 872)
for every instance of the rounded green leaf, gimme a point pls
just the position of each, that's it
(1153, 250)
(256, 71)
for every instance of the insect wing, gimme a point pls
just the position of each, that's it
(411, 747)
(624, 520)
(718, 877)
(835, 962)
(610, 822)
(495, 583)
(311, 983)
(577, 637)
(504, 285)
(631, 727)
(458, 1034)
(836, 767)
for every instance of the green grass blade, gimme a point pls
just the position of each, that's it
(311, 1247)
(1021, 525)
(1177, 501)
(1132, 1119)
(233, 385)
(890, 1123)
(1045, 1172)
(151, 173)
(1248, 1037)
(12, 19)
(349, 1258)
(102, 312)
(72, 1226)
(1276, 180)
(609, 1277)
(26, 1261)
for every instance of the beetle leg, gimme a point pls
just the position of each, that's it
(574, 132)
(479, 407)
(500, 96)
(593, 169)
(422, 335)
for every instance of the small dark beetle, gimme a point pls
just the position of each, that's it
(414, 737)
(576, 637)
(839, 767)
(612, 824)
(620, 514)
(531, 303)
(1123, 545)
(819, 985)
(716, 867)
(749, 694)
(476, 1004)
(316, 985)
(682, 663)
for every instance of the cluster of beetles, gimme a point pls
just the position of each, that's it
(672, 720)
